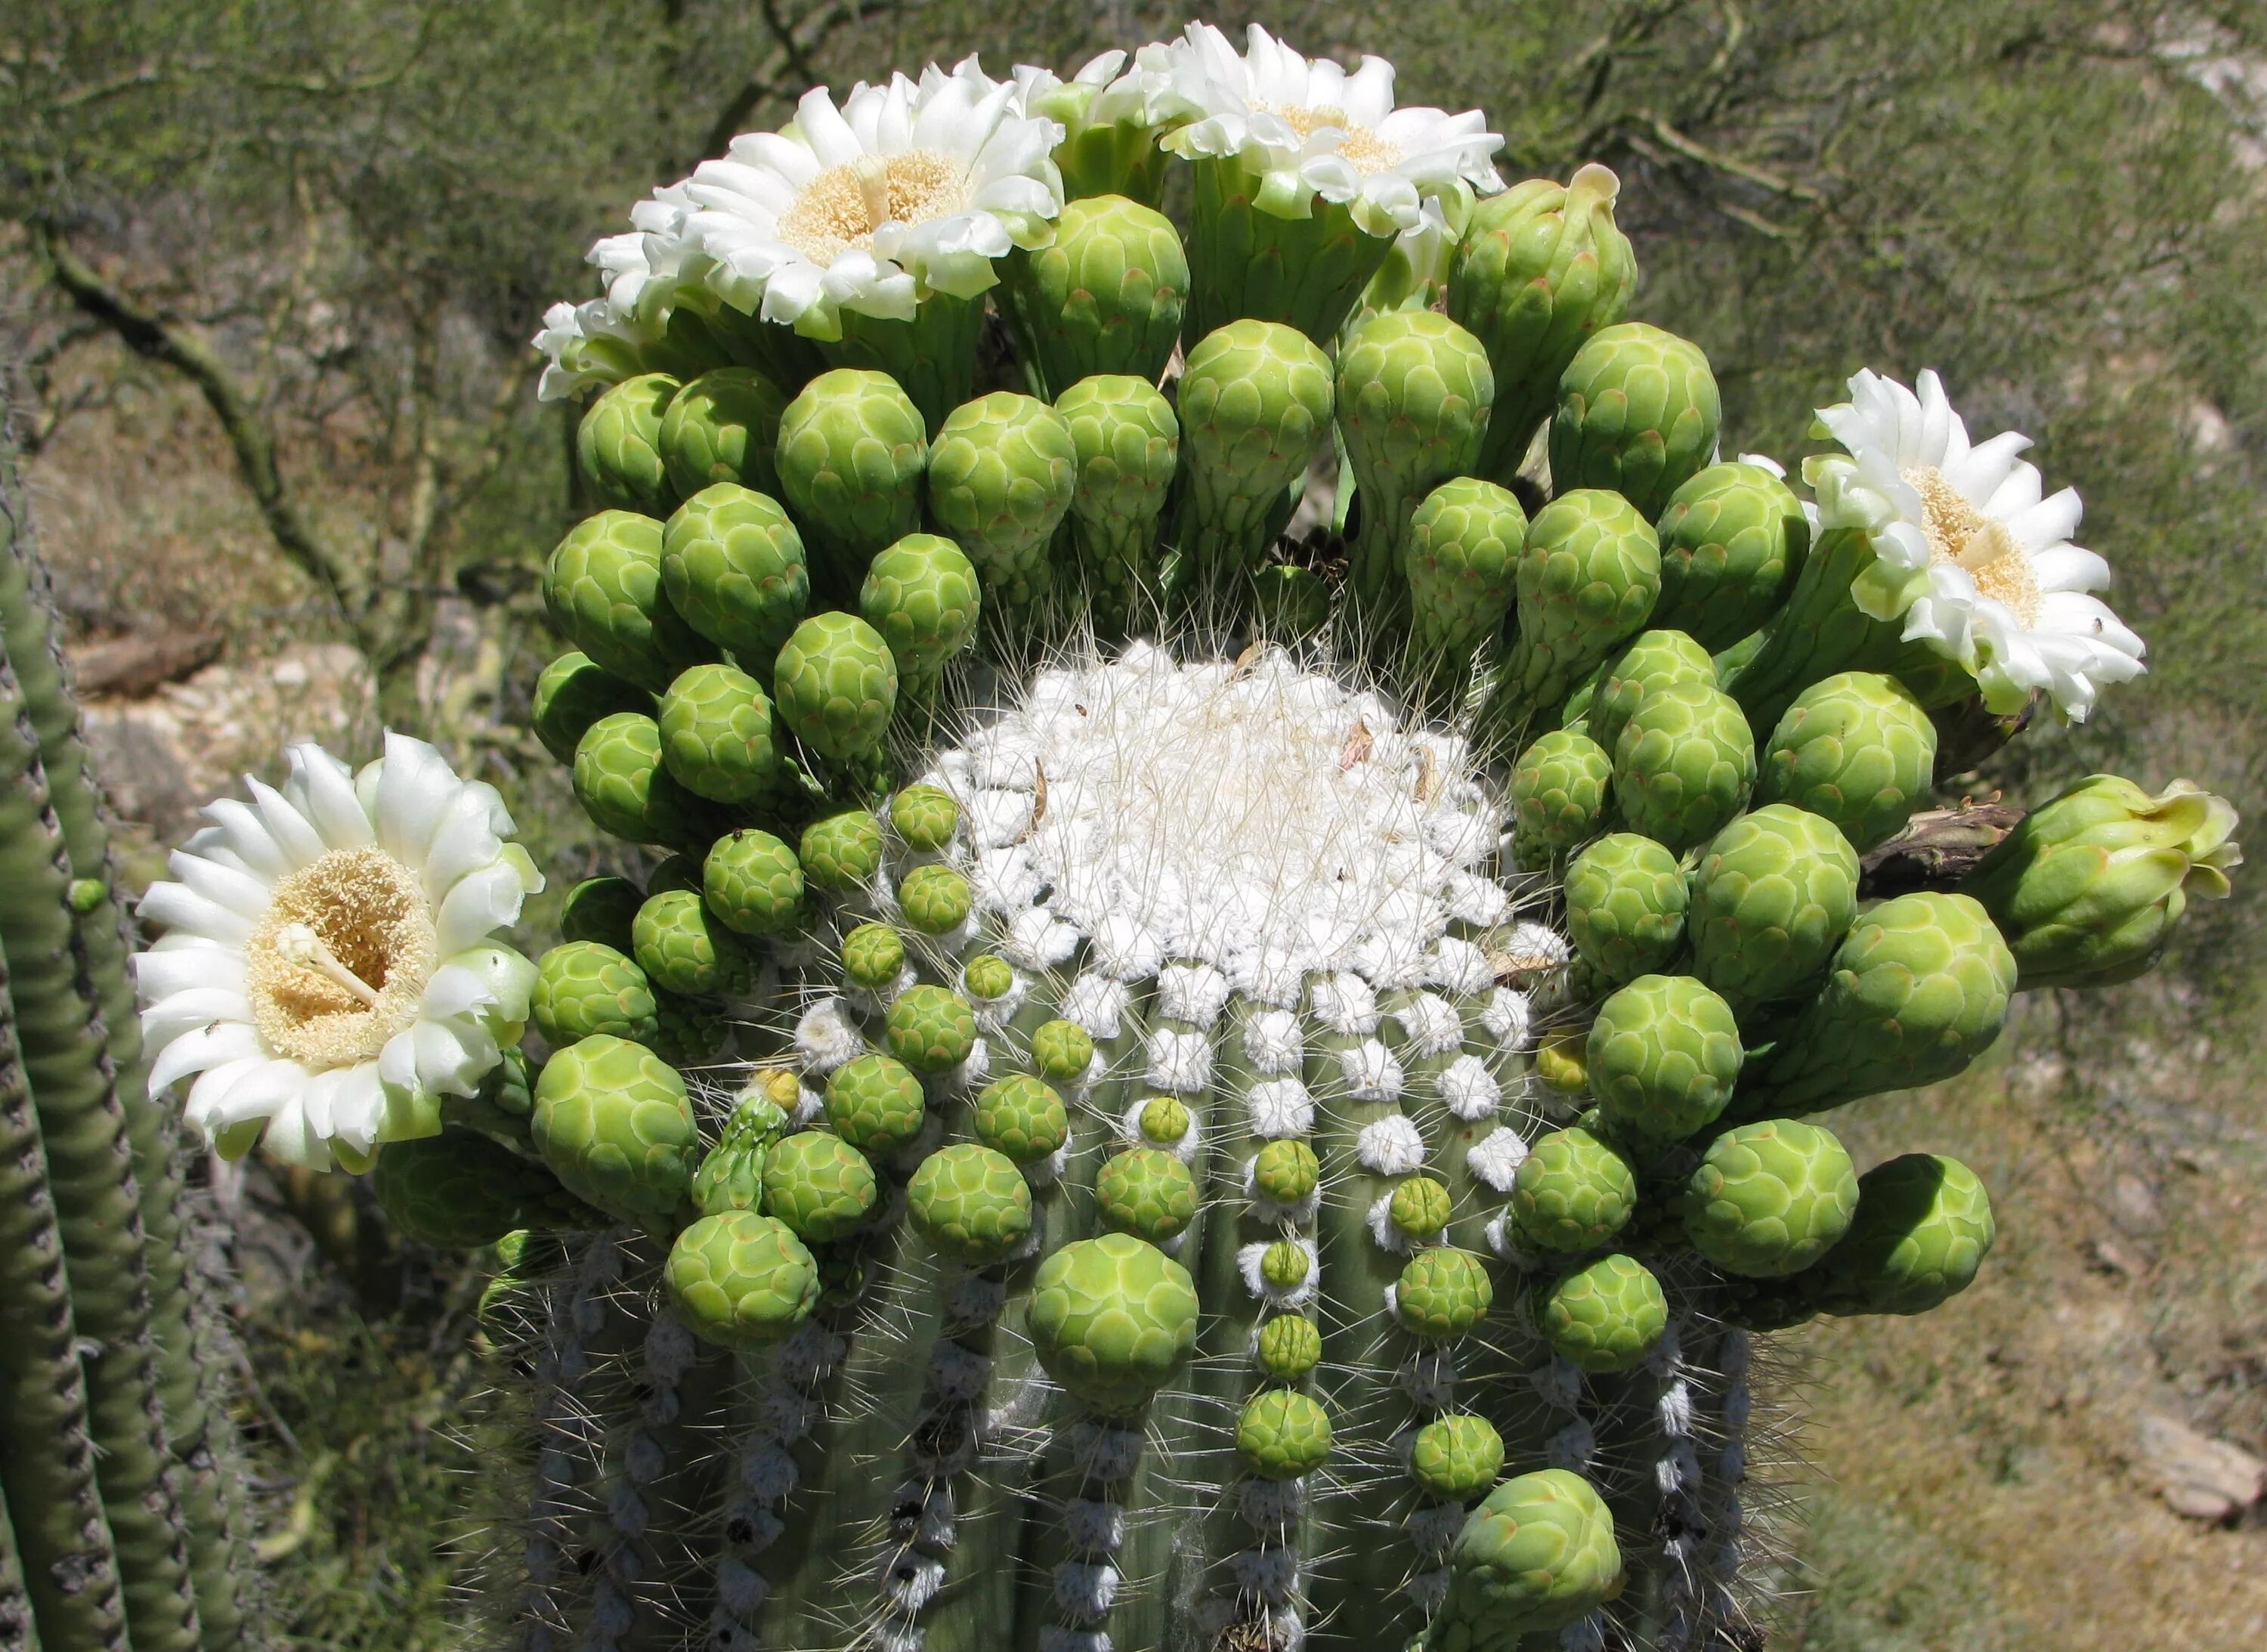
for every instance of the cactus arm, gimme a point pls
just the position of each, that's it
(47, 1468)
(17, 1627)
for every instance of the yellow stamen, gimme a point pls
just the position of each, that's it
(1984, 547)
(338, 964)
(838, 212)
(1364, 148)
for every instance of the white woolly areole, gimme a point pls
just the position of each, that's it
(1469, 1090)
(910, 1579)
(1180, 1061)
(1269, 1505)
(1738, 1405)
(1432, 1530)
(1094, 1527)
(1497, 1157)
(1475, 900)
(1037, 940)
(1273, 1042)
(1537, 946)
(1086, 1589)
(1271, 1573)
(1559, 1385)
(742, 1589)
(1096, 1004)
(751, 1527)
(643, 1461)
(1390, 1146)
(1265, 819)
(1676, 1468)
(1431, 1024)
(1461, 967)
(995, 819)
(1267, 975)
(1509, 1019)
(808, 1104)
(1194, 993)
(1428, 1592)
(972, 1299)
(1004, 881)
(957, 1375)
(825, 1037)
(1248, 1260)
(769, 1472)
(1429, 1376)
(807, 1355)
(1387, 1237)
(1280, 1107)
(1103, 1451)
(1345, 1005)
(1572, 1447)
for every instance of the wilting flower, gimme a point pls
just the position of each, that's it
(328, 972)
(1969, 550)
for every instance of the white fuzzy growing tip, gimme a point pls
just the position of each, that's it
(1390, 1146)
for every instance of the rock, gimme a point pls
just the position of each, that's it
(2133, 1204)
(2201, 1477)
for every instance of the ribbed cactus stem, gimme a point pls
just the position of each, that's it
(565, 1438)
(18, 1628)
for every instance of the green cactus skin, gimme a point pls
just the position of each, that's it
(935, 898)
(835, 685)
(1559, 791)
(586, 987)
(612, 1123)
(1538, 270)
(1663, 1057)
(1856, 749)
(1412, 394)
(924, 597)
(1247, 263)
(684, 949)
(1606, 1316)
(1538, 1553)
(731, 1176)
(618, 445)
(841, 852)
(753, 881)
(1464, 542)
(852, 449)
(1022, 1117)
(1146, 1193)
(602, 588)
(1002, 470)
(723, 427)
(875, 1104)
(1768, 1199)
(924, 818)
(1106, 298)
(929, 1028)
(1918, 989)
(1733, 541)
(1114, 1319)
(1683, 764)
(1923, 1228)
(1627, 897)
(1772, 895)
(1654, 660)
(873, 957)
(1573, 1193)
(732, 565)
(716, 735)
(601, 909)
(1254, 402)
(1457, 1458)
(740, 1280)
(1588, 575)
(820, 1185)
(572, 693)
(1283, 1434)
(971, 1202)
(1638, 412)
(1128, 443)
(2087, 890)
(623, 784)
(457, 1191)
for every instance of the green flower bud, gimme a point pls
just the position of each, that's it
(1290, 603)
(682, 948)
(873, 957)
(618, 445)
(1113, 1320)
(1558, 796)
(1286, 1171)
(1455, 1457)
(2088, 889)
(740, 1281)
(586, 987)
(1537, 1555)
(601, 909)
(841, 852)
(1588, 574)
(819, 1185)
(1284, 1265)
(1062, 1051)
(1917, 990)
(1572, 1193)
(1254, 401)
(733, 565)
(1464, 543)
(1772, 896)
(716, 735)
(1146, 1193)
(1683, 765)
(753, 881)
(722, 427)
(613, 1122)
(1283, 1434)
(935, 898)
(970, 1202)
(1023, 1117)
(1731, 540)
(986, 980)
(1605, 1316)
(1924, 1226)
(1249, 256)
(1653, 660)
(929, 1028)
(732, 1177)
(602, 588)
(1562, 1061)
(1288, 1348)
(1106, 298)
(1442, 1292)
(1663, 1056)
(1626, 901)
(1001, 475)
(1128, 443)
(1857, 750)
(571, 693)
(1638, 412)
(921, 596)
(622, 785)
(835, 685)
(924, 818)
(876, 1103)
(1164, 1121)
(1412, 394)
(1768, 1199)
(1538, 269)
(459, 1191)
(1419, 1206)
(851, 448)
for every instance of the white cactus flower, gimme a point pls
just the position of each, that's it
(329, 970)
(1312, 130)
(1969, 550)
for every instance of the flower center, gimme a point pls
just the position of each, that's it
(1366, 151)
(838, 212)
(1960, 533)
(338, 965)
